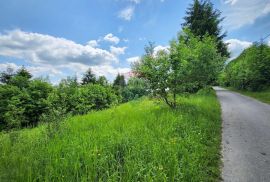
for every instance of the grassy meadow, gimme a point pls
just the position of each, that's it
(142, 140)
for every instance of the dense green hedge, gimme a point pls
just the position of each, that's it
(38, 100)
(25, 101)
(249, 71)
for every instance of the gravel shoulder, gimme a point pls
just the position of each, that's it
(245, 137)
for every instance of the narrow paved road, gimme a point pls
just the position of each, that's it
(245, 138)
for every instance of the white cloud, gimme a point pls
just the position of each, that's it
(78, 69)
(237, 46)
(161, 48)
(58, 58)
(133, 59)
(38, 48)
(242, 12)
(127, 13)
(117, 50)
(92, 43)
(231, 2)
(102, 70)
(111, 38)
(36, 71)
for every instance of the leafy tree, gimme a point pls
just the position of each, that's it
(11, 110)
(191, 64)
(38, 91)
(202, 19)
(250, 70)
(89, 77)
(102, 81)
(136, 87)
(5, 76)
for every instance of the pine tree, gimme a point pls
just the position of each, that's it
(89, 77)
(119, 81)
(24, 73)
(201, 18)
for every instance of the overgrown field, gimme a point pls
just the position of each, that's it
(138, 141)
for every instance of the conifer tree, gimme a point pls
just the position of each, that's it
(202, 19)
(89, 77)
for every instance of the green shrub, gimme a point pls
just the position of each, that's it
(249, 71)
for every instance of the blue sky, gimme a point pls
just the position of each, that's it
(58, 38)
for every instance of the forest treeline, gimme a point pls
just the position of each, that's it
(24, 101)
(250, 70)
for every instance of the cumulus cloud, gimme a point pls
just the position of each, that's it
(237, 46)
(127, 13)
(111, 38)
(133, 59)
(161, 48)
(117, 50)
(45, 49)
(93, 43)
(36, 71)
(57, 58)
(242, 12)
(102, 70)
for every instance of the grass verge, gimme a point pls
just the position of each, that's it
(137, 141)
(263, 96)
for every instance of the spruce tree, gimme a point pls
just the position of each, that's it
(89, 77)
(201, 18)
(23, 72)
(119, 81)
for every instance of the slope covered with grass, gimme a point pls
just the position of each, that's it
(138, 141)
(263, 96)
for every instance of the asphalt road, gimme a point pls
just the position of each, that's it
(245, 138)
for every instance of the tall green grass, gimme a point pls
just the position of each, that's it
(263, 95)
(138, 141)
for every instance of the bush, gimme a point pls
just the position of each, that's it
(135, 88)
(94, 97)
(22, 106)
(206, 91)
(25, 102)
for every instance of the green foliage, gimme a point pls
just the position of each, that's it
(22, 105)
(136, 88)
(24, 102)
(202, 19)
(5, 76)
(102, 81)
(24, 73)
(137, 141)
(192, 63)
(119, 81)
(89, 77)
(263, 95)
(249, 71)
